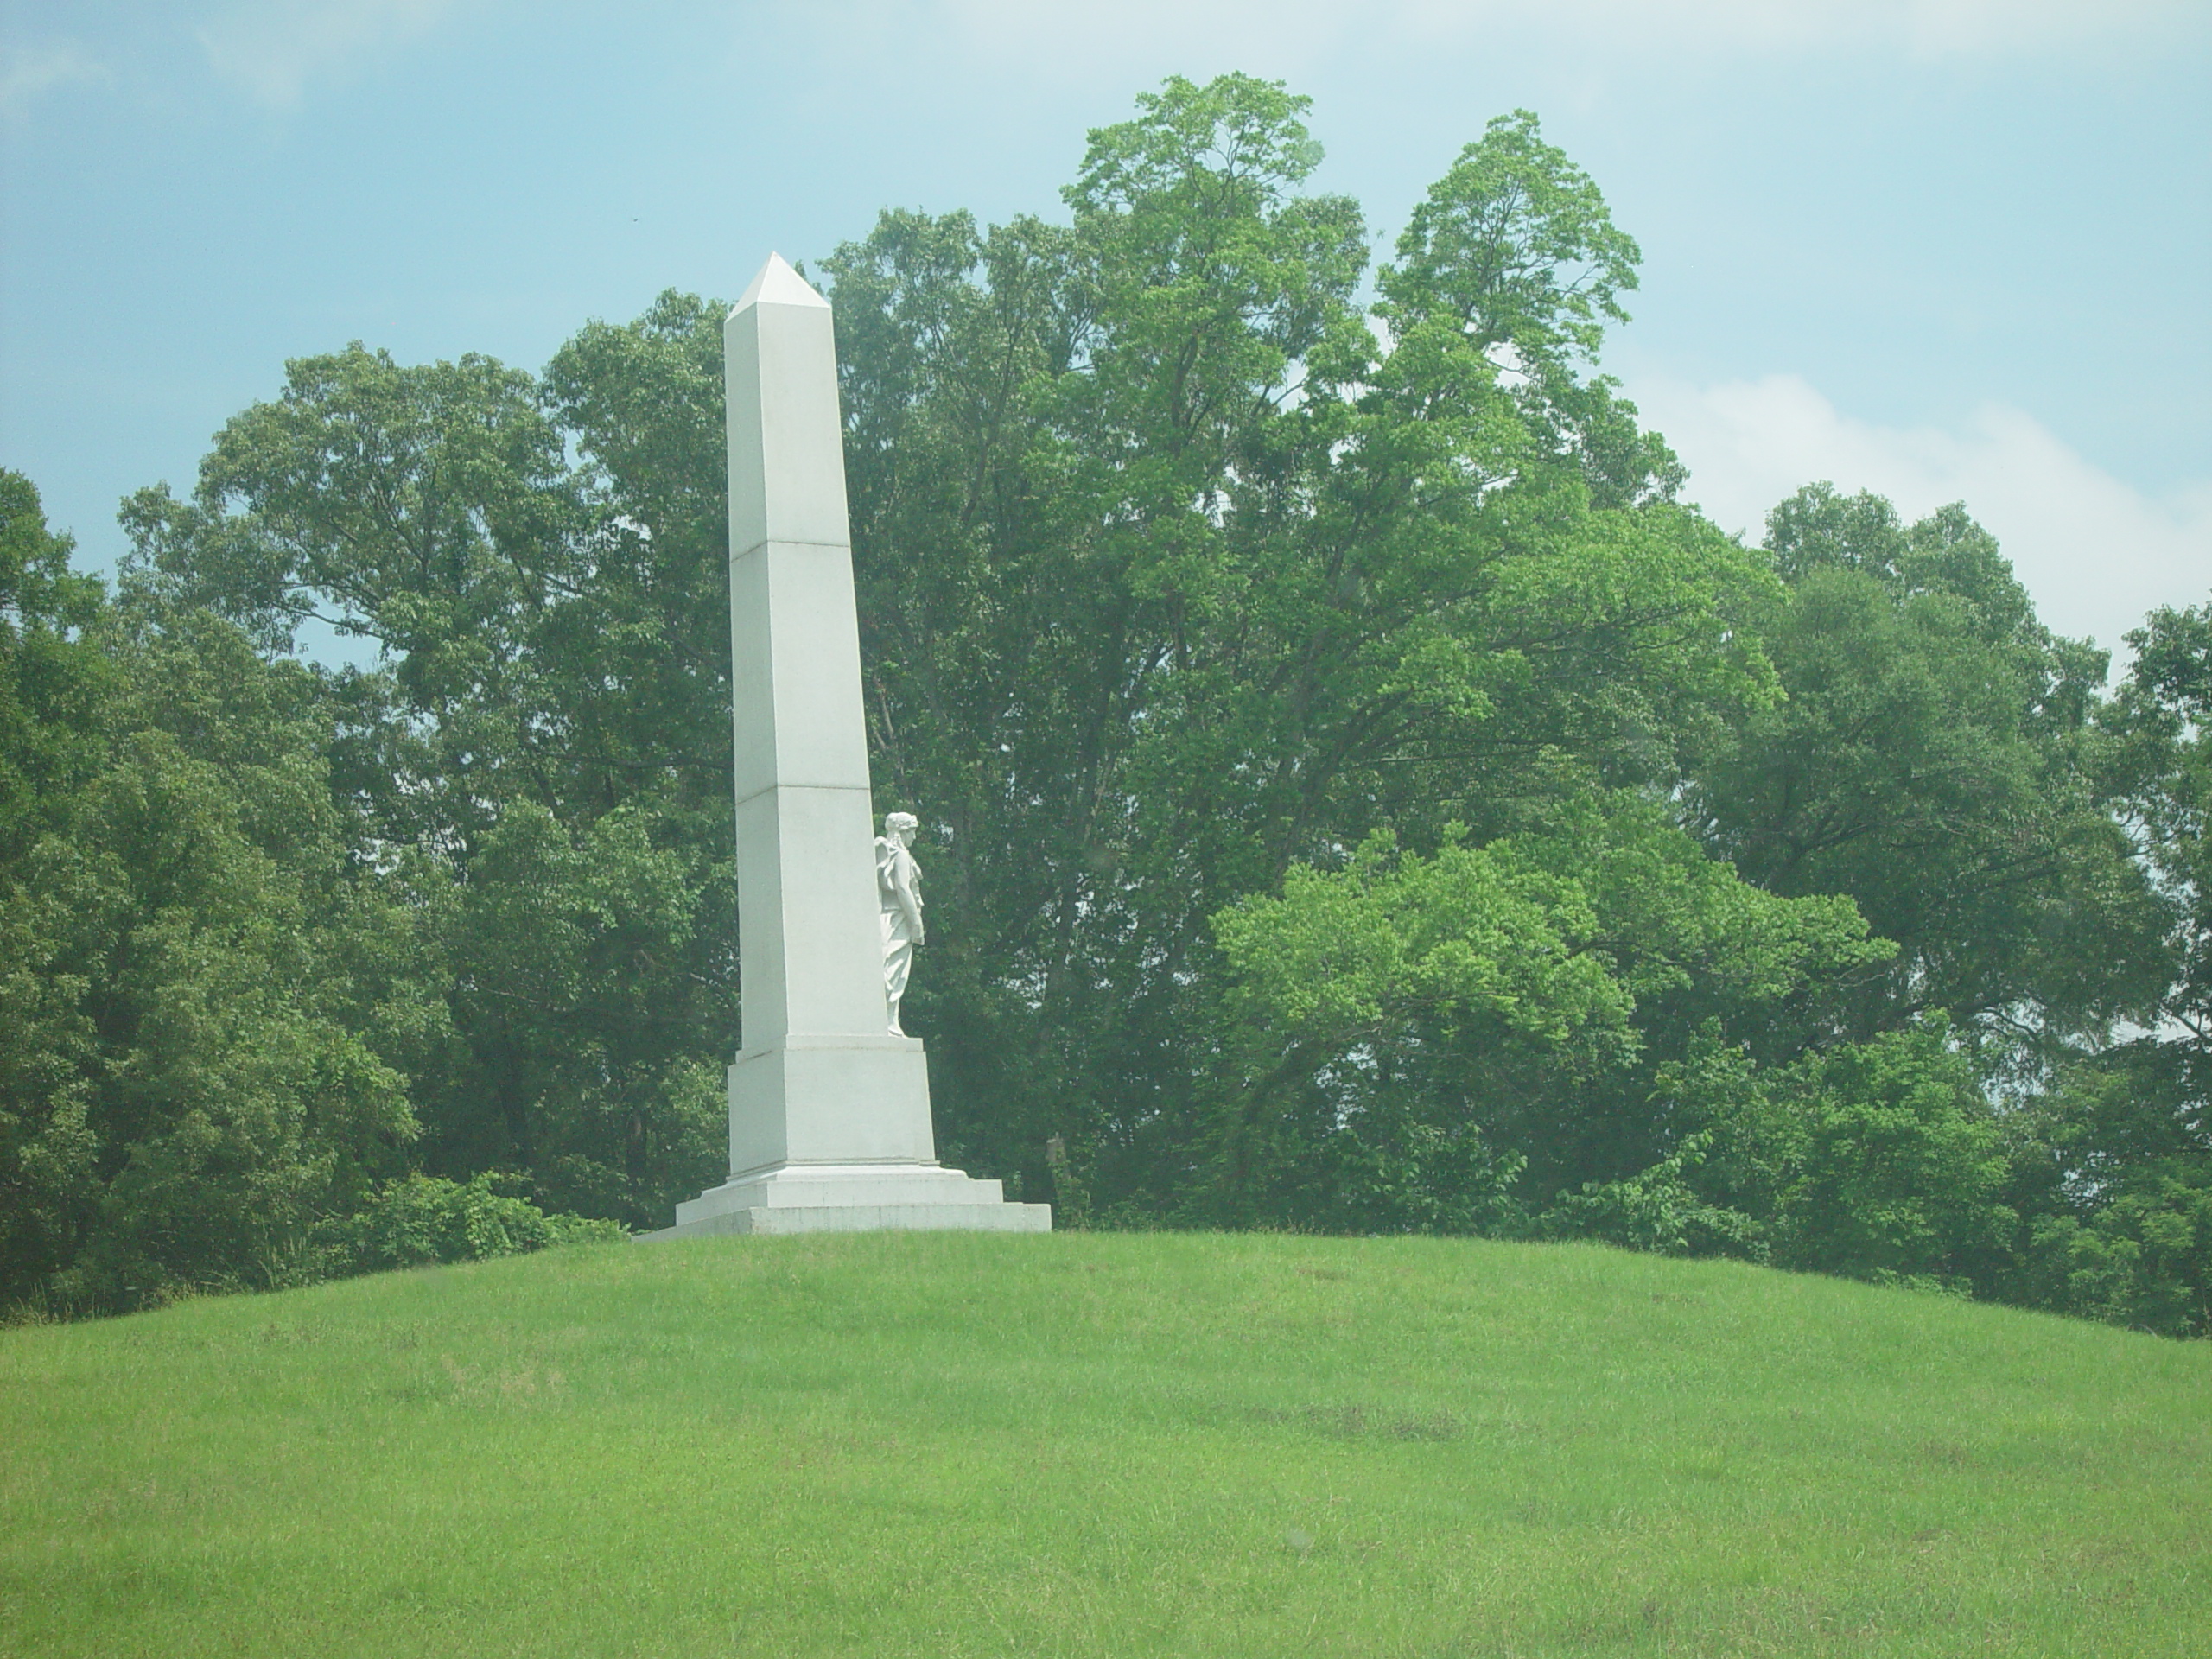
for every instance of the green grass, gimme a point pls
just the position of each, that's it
(1100, 1443)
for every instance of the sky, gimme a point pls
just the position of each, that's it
(1945, 250)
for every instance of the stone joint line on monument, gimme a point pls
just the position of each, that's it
(790, 782)
(785, 541)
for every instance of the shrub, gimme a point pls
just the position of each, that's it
(422, 1219)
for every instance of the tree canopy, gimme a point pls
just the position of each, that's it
(1357, 793)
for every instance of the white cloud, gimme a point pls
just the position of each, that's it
(1918, 28)
(25, 72)
(2096, 552)
(1922, 28)
(273, 48)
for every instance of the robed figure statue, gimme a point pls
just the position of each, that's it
(899, 889)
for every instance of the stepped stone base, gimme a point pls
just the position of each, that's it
(854, 1199)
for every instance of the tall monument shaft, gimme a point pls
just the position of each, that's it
(819, 1078)
(829, 1111)
(806, 880)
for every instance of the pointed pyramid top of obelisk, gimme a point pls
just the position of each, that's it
(779, 284)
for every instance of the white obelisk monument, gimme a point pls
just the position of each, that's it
(829, 1111)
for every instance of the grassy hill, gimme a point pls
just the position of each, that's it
(1100, 1443)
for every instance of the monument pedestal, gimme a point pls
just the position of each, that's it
(862, 1098)
(857, 1155)
(855, 1198)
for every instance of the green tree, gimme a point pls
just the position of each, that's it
(1355, 793)
(53, 683)
(530, 752)
(2113, 1165)
(1514, 252)
(53, 680)
(1882, 1160)
(1936, 760)
(201, 992)
(1173, 576)
(2161, 722)
(1500, 996)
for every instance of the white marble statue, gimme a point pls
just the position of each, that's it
(899, 890)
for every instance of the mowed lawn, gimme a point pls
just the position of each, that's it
(1100, 1443)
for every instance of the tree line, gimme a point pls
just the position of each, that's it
(1357, 793)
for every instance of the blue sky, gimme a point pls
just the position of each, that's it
(1945, 249)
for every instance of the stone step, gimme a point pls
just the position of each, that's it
(981, 1217)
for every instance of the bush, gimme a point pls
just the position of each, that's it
(422, 1219)
(1655, 1210)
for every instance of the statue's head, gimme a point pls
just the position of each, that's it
(900, 825)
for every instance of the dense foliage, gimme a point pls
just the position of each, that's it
(1357, 794)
